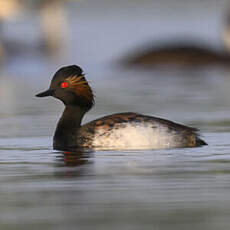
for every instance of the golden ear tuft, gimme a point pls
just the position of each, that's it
(76, 80)
(80, 87)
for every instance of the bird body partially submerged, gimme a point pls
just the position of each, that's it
(136, 131)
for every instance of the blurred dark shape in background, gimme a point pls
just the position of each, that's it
(177, 54)
(181, 52)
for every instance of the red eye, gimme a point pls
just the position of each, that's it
(64, 85)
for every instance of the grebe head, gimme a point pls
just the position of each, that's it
(70, 86)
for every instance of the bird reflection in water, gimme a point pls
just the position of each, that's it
(73, 158)
(73, 163)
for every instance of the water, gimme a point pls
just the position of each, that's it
(161, 189)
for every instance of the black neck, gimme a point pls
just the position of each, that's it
(67, 127)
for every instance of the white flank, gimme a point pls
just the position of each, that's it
(137, 136)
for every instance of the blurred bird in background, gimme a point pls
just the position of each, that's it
(181, 51)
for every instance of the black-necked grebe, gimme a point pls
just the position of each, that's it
(123, 131)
